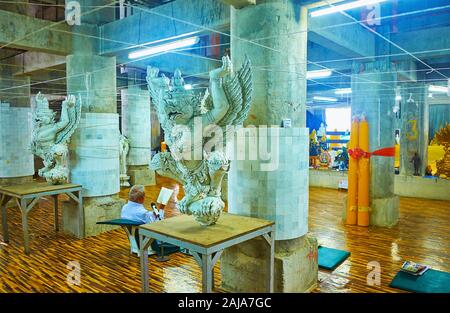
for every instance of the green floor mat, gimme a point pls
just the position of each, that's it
(331, 258)
(431, 281)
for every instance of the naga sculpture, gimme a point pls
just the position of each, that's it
(50, 138)
(227, 102)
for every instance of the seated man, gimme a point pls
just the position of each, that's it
(134, 210)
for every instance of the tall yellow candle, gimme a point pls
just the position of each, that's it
(363, 175)
(352, 175)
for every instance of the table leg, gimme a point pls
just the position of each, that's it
(81, 214)
(3, 201)
(26, 237)
(271, 263)
(55, 209)
(144, 243)
(207, 273)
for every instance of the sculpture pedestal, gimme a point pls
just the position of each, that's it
(141, 175)
(95, 209)
(296, 267)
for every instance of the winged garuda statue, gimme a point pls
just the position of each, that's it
(226, 102)
(50, 138)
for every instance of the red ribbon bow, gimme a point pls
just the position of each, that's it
(358, 153)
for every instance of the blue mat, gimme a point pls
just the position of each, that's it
(331, 258)
(431, 281)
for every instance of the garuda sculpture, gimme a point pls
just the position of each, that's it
(50, 138)
(227, 102)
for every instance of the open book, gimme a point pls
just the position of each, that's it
(414, 268)
(164, 195)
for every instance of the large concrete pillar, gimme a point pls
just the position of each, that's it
(136, 126)
(277, 189)
(412, 124)
(373, 94)
(94, 148)
(16, 159)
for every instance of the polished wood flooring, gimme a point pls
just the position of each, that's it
(422, 235)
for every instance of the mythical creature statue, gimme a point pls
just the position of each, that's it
(50, 138)
(124, 148)
(227, 102)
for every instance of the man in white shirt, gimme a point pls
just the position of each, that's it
(135, 211)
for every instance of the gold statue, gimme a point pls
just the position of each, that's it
(443, 165)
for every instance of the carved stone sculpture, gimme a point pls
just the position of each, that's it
(227, 102)
(50, 138)
(124, 148)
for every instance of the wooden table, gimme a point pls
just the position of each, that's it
(206, 243)
(28, 194)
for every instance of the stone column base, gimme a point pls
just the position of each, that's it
(95, 210)
(243, 266)
(15, 181)
(384, 211)
(141, 175)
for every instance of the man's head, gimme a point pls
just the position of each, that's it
(137, 194)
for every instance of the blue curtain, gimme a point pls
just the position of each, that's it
(314, 118)
(439, 117)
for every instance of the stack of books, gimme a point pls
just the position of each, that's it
(414, 268)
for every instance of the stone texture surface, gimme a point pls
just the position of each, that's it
(243, 267)
(95, 209)
(384, 212)
(370, 98)
(94, 154)
(94, 78)
(279, 193)
(16, 159)
(136, 124)
(141, 175)
(412, 127)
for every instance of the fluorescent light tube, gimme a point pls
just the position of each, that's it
(325, 99)
(343, 91)
(182, 43)
(344, 7)
(188, 86)
(434, 88)
(318, 74)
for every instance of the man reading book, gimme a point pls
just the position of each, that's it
(134, 210)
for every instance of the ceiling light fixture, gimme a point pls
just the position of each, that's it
(434, 88)
(344, 7)
(343, 91)
(324, 99)
(182, 43)
(318, 74)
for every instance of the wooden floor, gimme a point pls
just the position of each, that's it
(422, 235)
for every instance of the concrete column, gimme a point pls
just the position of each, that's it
(94, 148)
(373, 94)
(412, 125)
(16, 159)
(277, 189)
(14, 90)
(136, 126)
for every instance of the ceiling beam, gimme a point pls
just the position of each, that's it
(166, 21)
(23, 32)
